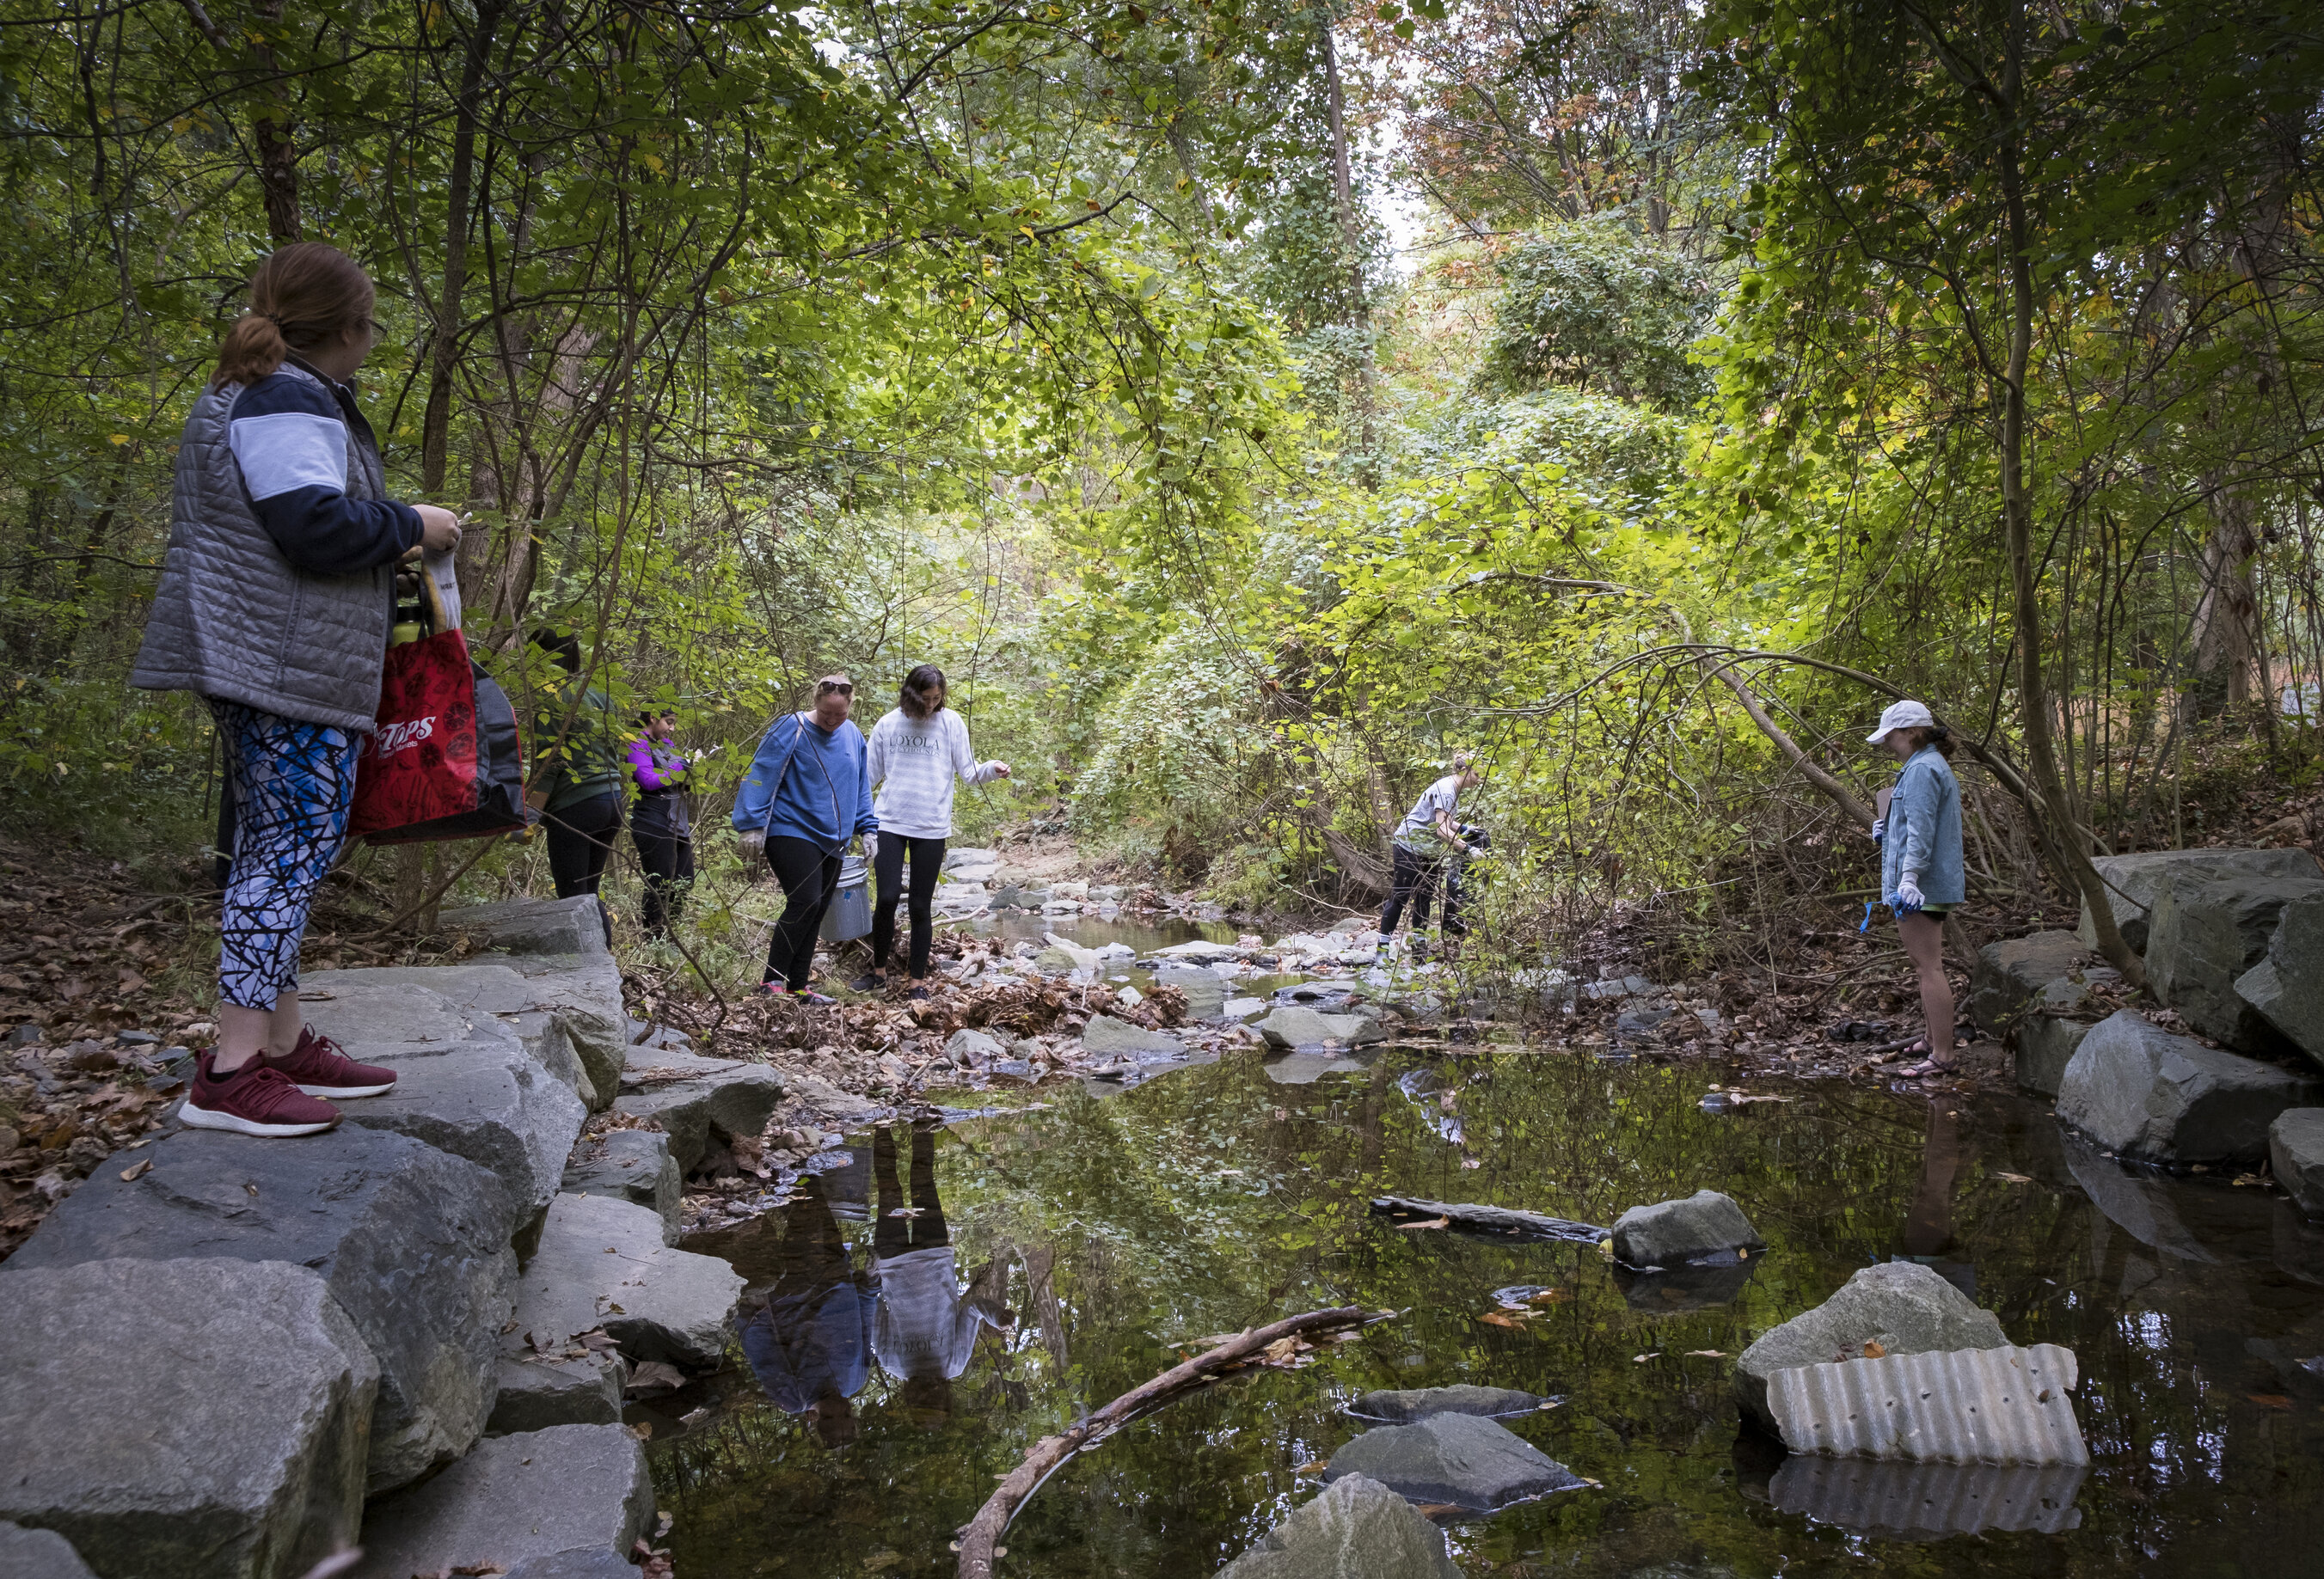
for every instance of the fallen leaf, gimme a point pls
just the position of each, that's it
(253, 1190)
(1501, 1319)
(654, 1376)
(1549, 1297)
(1430, 1223)
(1642, 1359)
(2270, 1401)
(1281, 1350)
(135, 1170)
(1873, 1349)
(1436, 1510)
(1318, 1467)
(642, 1430)
(1706, 1354)
(2015, 1177)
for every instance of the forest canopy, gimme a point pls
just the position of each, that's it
(1748, 365)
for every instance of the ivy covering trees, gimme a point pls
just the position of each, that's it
(1759, 362)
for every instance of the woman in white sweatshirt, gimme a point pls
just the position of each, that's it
(915, 753)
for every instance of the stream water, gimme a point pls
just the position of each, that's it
(1099, 1237)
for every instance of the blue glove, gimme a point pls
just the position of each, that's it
(1907, 898)
(1866, 924)
(1879, 829)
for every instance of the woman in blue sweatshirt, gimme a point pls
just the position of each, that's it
(805, 796)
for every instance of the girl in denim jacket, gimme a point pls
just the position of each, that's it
(1922, 875)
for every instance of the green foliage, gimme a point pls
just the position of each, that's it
(1602, 307)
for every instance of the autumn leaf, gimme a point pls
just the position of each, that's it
(1501, 1319)
(1430, 1223)
(135, 1170)
(2015, 1177)
(1873, 1349)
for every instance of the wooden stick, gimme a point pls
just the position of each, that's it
(980, 1537)
(1493, 1219)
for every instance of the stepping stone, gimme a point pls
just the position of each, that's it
(1107, 1037)
(412, 1243)
(39, 1554)
(1357, 1529)
(1674, 1233)
(2135, 881)
(697, 1100)
(202, 1419)
(1293, 1026)
(603, 1264)
(2295, 1155)
(2137, 1089)
(535, 1393)
(531, 926)
(2009, 976)
(1206, 994)
(564, 1493)
(1455, 1459)
(2201, 937)
(1900, 1305)
(971, 1050)
(464, 1083)
(633, 1165)
(1967, 1406)
(567, 1010)
(1403, 1406)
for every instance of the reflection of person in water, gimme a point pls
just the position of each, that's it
(1928, 1236)
(926, 1330)
(809, 1342)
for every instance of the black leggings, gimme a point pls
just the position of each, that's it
(668, 862)
(1414, 883)
(927, 860)
(580, 839)
(809, 877)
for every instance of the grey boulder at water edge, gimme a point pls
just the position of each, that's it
(233, 1357)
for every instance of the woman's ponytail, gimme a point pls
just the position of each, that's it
(254, 349)
(301, 297)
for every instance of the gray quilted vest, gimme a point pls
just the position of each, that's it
(235, 620)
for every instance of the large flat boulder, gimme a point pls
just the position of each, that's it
(39, 1554)
(1901, 1306)
(2137, 1201)
(412, 1243)
(567, 1009)
(539, 1391)
(633, 1165)
(572, 926)
(2287, 986)
(569, 1490)
(2202, 936)
(2010, 976)
(602, 1262)
(1107, 1037)
(2138, 1090)
(1460, 1460)
(464, 1082)
(1294, 1026)
(1357, 1529)
(2135, 880)
(697, 1101)
(1674, 1233)
(201, 1419)
(1402, 1406)
(1205, 989)
(2295, 1155)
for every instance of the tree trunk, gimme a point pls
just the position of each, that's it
(1352, 238)
(436, 424)
(278, 154)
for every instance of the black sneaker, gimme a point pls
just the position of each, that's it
(869, 981)
(814, 999)
(918, 994)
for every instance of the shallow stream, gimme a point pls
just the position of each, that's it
(1100, 1237)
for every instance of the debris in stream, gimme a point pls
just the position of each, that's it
(1490, 1219)
(1963, 1406)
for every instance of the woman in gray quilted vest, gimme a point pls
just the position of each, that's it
(274, 607)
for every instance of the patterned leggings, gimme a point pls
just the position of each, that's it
(294, 784)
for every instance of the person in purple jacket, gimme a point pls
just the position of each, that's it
(659, 823)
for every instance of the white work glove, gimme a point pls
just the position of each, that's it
(1879, 829)
(1908, 895)
(872, 847)
(754, 847)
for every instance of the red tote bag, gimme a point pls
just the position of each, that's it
(442, 763)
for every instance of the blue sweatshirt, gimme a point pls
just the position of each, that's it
(825, 796)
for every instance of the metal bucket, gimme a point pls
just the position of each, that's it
(849, 914)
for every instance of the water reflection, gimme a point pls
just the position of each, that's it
(807, 1335)
(1122, 1231)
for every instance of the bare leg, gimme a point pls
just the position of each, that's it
(1924, 937)
(245, 1034)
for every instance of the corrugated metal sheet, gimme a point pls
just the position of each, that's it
(1968, 1406)
(1927, 1501)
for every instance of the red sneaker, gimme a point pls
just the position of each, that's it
(256, 1099)
(319, 1067)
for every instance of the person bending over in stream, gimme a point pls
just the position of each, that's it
(809, 1341)
(916, 753)
(1922, 875)
(1423, 841)
(804, 797)
(274, 607)
(926, 1329)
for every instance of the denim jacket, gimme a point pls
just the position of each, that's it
(1924, 830)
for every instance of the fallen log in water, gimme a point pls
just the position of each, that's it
(1492, 1219)
(980, 1537)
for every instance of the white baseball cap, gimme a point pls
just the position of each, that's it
(1902, 715)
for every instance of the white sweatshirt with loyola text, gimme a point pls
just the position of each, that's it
(914, 762)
